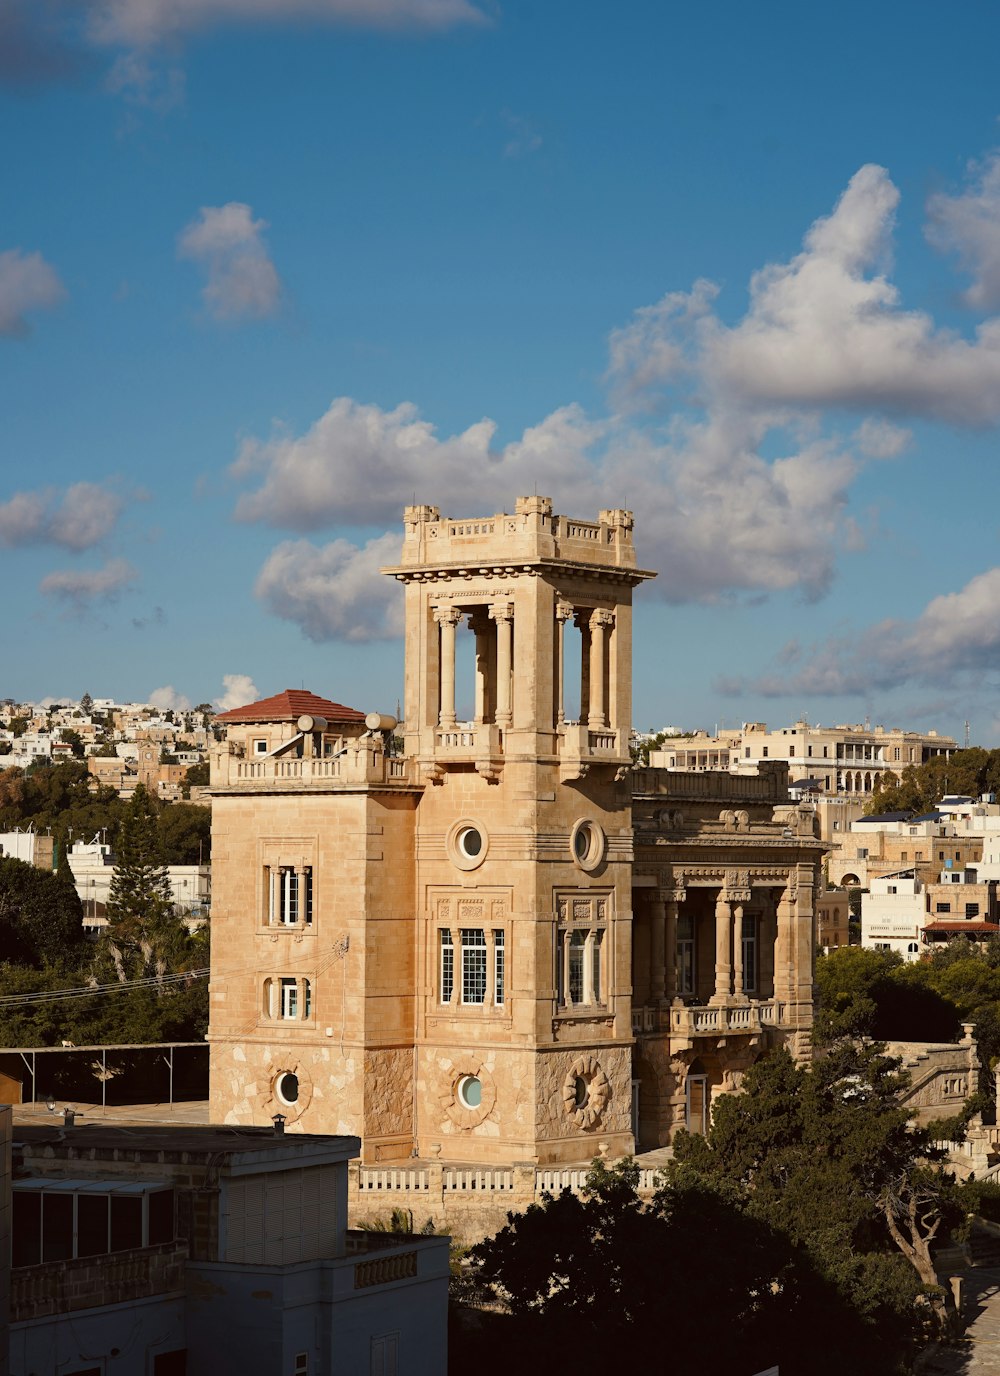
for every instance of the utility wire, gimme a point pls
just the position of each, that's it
(90, 991)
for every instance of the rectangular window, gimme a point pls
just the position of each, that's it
(940, 855)
(918, 855)
(902, 856)
(499, 970)
(810, 749)
(473, 965)
(288, 895)
(942, 907)
(301, 1364)
(447, 962)
(765, 752)
(972, 909)
(260, 747)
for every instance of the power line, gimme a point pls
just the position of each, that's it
(92, 990)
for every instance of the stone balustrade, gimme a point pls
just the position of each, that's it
(364, 766)
(712, 1021)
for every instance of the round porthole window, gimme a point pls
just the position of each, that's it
(470, 1091)
(287, 1088)
(468, 843)
(587, 844)
(581, 1092)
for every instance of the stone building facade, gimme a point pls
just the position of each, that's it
(499, 943)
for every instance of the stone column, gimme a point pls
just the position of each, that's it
(723, 933)
(738, 950)
(674, 898)
(503, 614)
(783, 942)
(658, 946)
(448, 619)
(563, 613)
(600, 620)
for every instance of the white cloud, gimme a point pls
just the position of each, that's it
(334, 591)
(168, 699)
(77, 519)
(826, 330)
(360, 464)
(745, 491)
(239, 690)
(968, 225)
(877, 439)
(27, 283)
(227, 242)
(80, 587)
(143, 23)
(954, 640)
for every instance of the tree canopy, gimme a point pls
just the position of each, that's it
(969, 772)
(41, 917)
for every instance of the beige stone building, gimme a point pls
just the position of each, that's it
(850, 760)
(498, 944)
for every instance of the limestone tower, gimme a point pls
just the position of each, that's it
(459, 984)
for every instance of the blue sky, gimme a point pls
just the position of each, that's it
(268, 268)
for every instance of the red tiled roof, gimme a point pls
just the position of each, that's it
(289, 706)
(962, 925)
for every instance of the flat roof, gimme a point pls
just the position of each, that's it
(244, 1148)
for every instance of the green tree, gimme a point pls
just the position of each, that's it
(197, 775)
(186, 834)
(615, 1280)
(18, 725)
(826, 1154)
(143, 934)
(74, 740)
(41, 918)
(86, 704)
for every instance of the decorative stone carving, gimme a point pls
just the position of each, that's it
(586, 1112)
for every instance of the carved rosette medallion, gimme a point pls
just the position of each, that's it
(586, 1091)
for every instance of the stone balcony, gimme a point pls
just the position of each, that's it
(688, 1022)
(354, 767)
(581, 746)
(476, 743)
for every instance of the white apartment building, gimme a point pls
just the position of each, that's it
(893, 915)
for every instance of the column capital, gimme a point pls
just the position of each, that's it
(670, 895)
(447, 615)
(600, 616)
(564, 610)
(501, 611)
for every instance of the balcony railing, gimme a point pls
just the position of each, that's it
(352, 767)
(707, 1021)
